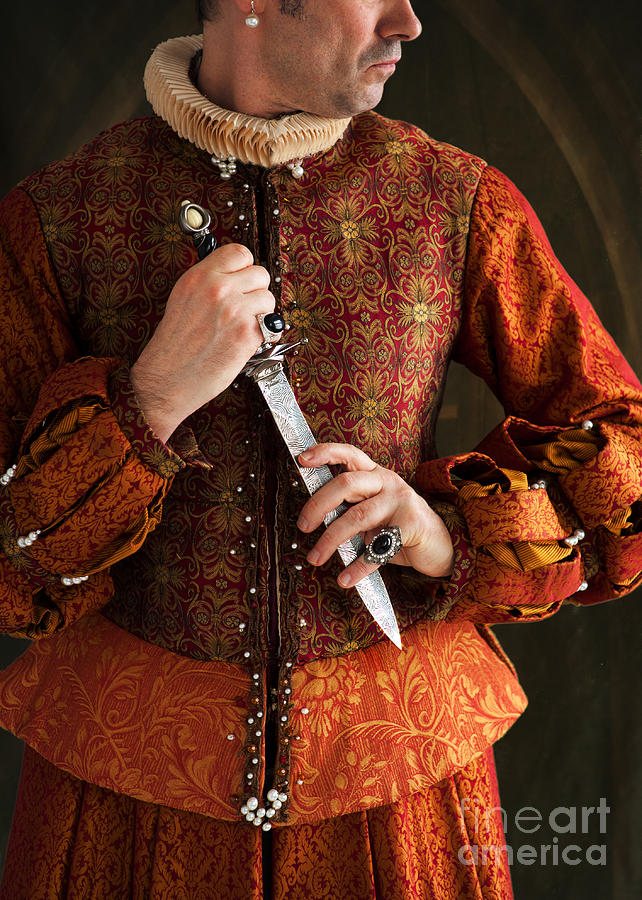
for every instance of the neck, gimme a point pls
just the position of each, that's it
(235, 80)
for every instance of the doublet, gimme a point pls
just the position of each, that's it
(186, 653)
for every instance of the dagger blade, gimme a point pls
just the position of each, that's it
(296, 433)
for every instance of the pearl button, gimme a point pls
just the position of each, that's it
(255, 761)
(249, 776)
(249, 817)
(266, 826)
(247, 654)
(244, 810)
(250, 721)
(258, 733)
(270, 813)
(230, 737)
(295, 546)
(252, 803)
(305, 711)
(276, 804)
(272, 795)
(248, 518)
(283, 798)
(583, 586)
(252, 590)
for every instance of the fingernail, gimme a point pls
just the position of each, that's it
(344, 579)
(313, 557)
(303, 456)
(303, 523)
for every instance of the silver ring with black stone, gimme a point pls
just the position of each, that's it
(384, 546)
(272, 326)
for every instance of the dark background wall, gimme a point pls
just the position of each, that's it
(549, 93)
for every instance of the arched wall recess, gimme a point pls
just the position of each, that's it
(499, 32)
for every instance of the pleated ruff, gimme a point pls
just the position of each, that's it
(74, 840)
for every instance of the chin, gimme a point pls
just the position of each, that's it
(348, 106)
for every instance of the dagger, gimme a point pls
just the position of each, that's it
(265, 368)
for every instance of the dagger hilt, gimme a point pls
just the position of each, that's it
(195, 220)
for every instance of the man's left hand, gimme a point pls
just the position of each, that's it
(379, 498)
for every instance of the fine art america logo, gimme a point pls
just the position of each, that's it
(566, 822)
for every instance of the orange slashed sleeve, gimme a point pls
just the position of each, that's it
(83, 477)
(549, 502)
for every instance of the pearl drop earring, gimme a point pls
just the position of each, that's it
(252, 20)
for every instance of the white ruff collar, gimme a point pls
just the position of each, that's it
(221, 132)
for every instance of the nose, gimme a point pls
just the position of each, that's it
(399, 22)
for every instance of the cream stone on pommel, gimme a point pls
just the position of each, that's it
(194, 218)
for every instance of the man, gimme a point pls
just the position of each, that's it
(229, 681)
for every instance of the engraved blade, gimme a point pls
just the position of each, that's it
(298, 437)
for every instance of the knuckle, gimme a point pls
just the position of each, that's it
(188, 282)
(349, 479)
(358, 514)
(240, 253)
(264, 275)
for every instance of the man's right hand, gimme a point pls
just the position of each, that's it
(207, 334)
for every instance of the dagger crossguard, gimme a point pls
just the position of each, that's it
(268, 360)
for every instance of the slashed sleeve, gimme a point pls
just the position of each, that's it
(547, 508)
(82, 477)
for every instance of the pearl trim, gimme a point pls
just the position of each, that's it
(8, 475)
(577, 536)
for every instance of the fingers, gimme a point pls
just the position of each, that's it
(367, 515)
(253, 278)
(356, 572)
(336, 454)
(350, 487)
(227, 259)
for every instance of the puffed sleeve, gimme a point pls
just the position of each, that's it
(547, 508)
(84, 477)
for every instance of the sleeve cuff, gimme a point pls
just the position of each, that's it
(148, 447)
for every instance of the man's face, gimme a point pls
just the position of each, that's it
(335, 56)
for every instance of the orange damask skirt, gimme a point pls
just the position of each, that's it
(71, 839)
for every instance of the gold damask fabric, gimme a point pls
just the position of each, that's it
(365, 729)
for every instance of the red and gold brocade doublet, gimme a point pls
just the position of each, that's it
(200, 630)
